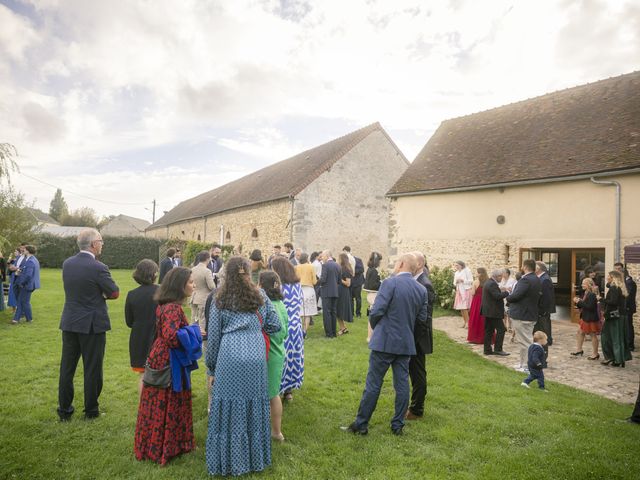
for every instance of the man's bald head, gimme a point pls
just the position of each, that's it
(406, 263)
(420, 261)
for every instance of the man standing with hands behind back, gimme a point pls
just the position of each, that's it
(84, 323)
(400, 303)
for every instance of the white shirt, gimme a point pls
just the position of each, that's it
(317, 266)
(88, 252)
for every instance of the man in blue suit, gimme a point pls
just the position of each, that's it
(400, 303)
(84, 323)
(26, 280)
(329, 281)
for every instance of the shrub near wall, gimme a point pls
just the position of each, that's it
(118, 252)
(192, 248)
(442, 280)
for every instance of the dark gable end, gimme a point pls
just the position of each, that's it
(284, 179)
(590, 129)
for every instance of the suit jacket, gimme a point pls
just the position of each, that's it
(29, 277)
(330, 279)
(547, 304)
(215, 265)
(536, 357)
(400, 303)
(358, 274)
(423, 331)
(165, 265)
(87, 283)
(203, 280)
(632, 288)
(523, 301)
(492, 300)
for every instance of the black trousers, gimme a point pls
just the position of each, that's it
(418, 376)
(329, 315)
(491, 325)
(630, 332)
(356, 294)
(91, 347)
(635, 416)
(544, 324)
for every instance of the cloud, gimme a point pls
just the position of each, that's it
(42, 125)
(267, 143)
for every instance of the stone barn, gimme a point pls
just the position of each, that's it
(554, 178)
(325, 197)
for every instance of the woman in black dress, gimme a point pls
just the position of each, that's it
(140, 315)
(372, 285)
(345, 312)
(589, 318)
(613, 338)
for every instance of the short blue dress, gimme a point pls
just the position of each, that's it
(239, 433)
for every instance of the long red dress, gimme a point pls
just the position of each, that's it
(476, 321)
(165, 426)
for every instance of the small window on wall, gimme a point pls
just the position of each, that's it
(228, 236)
(198, 237)
(551, 259)
(254, 233)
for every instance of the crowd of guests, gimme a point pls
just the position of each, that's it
(23, 272)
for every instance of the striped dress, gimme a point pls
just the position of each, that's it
(294, 344)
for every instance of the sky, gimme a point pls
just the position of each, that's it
(121, 102)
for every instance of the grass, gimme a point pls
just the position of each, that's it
(479, 422)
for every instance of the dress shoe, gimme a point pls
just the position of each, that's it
(412, 416)
(398, 431)
(631, 420)
(487, 353)
(93, 416)
(502, 353)
(355, 430)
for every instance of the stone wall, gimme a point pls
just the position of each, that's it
(270, 221)
(347, 205)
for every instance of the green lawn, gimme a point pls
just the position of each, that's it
(479, 422)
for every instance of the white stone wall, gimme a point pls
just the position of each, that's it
(347, 205)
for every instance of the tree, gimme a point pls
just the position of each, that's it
(17, 224)
(7, 163)
(82, 217)
(58, 208)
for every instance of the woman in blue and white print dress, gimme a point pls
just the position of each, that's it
(239, 433)
(293, 372)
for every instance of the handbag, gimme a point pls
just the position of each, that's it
(613, 315)
(157, 378)
(267, 339)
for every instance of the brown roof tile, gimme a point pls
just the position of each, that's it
(589, 129)
(281, 180)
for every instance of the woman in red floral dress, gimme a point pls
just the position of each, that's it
(165, 426)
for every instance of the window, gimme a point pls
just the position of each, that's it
(551, 259)
(198, 237)
(228, 236)
(254, 233)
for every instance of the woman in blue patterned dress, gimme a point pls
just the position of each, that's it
(293, 372)
(239, 434)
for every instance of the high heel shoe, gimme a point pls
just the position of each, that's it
(614, 364)
(577, 354)
(606, 362)
(595, 357)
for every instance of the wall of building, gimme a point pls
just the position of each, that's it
(270, 220)
(347, 205)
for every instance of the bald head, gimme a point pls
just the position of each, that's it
(420, 261)
(406, 263)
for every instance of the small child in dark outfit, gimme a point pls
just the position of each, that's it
(536, 361)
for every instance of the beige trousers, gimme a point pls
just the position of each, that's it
(524, 337)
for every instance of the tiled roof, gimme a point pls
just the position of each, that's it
(590, 129)
(284, 179)
(138, 223)
(43, 217)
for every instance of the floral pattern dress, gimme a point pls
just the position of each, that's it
(165, 425)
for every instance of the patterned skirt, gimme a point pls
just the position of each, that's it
(463, 299)
(165, 426)
(309, 302)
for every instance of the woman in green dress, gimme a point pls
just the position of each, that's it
(613, 337)
(270, 283)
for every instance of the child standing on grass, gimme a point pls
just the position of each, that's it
(536, 360)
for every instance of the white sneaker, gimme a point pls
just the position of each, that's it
(522, 369)
(524, 385)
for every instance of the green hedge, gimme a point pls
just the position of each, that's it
(118, 252)
(442, 280)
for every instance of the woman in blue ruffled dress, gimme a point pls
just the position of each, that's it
(239, 433)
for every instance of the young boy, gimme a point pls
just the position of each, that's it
(536, 361)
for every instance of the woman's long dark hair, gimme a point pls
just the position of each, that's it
(237, 293)
(172, 288)
(374, 260)
(270, 283)
(285, 270)
(344, 263)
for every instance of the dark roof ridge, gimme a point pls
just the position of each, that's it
(538, 97)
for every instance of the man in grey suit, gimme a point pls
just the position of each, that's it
(400, 303)
(329, 281)
(84, 323)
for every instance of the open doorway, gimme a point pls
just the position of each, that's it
(566, 269)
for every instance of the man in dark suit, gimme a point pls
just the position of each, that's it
(84, 323)
(632, 290)
(546, 305)
(423, 336)
(166, 264)
(26, 281)
(523, 308)
(493, 311)
(400, 303)
(356, 286)
(329, 281)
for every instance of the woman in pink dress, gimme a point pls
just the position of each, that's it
(476, 321)
(463, 282)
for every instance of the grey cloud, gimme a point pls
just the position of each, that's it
(42, 125)
(293, 10)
